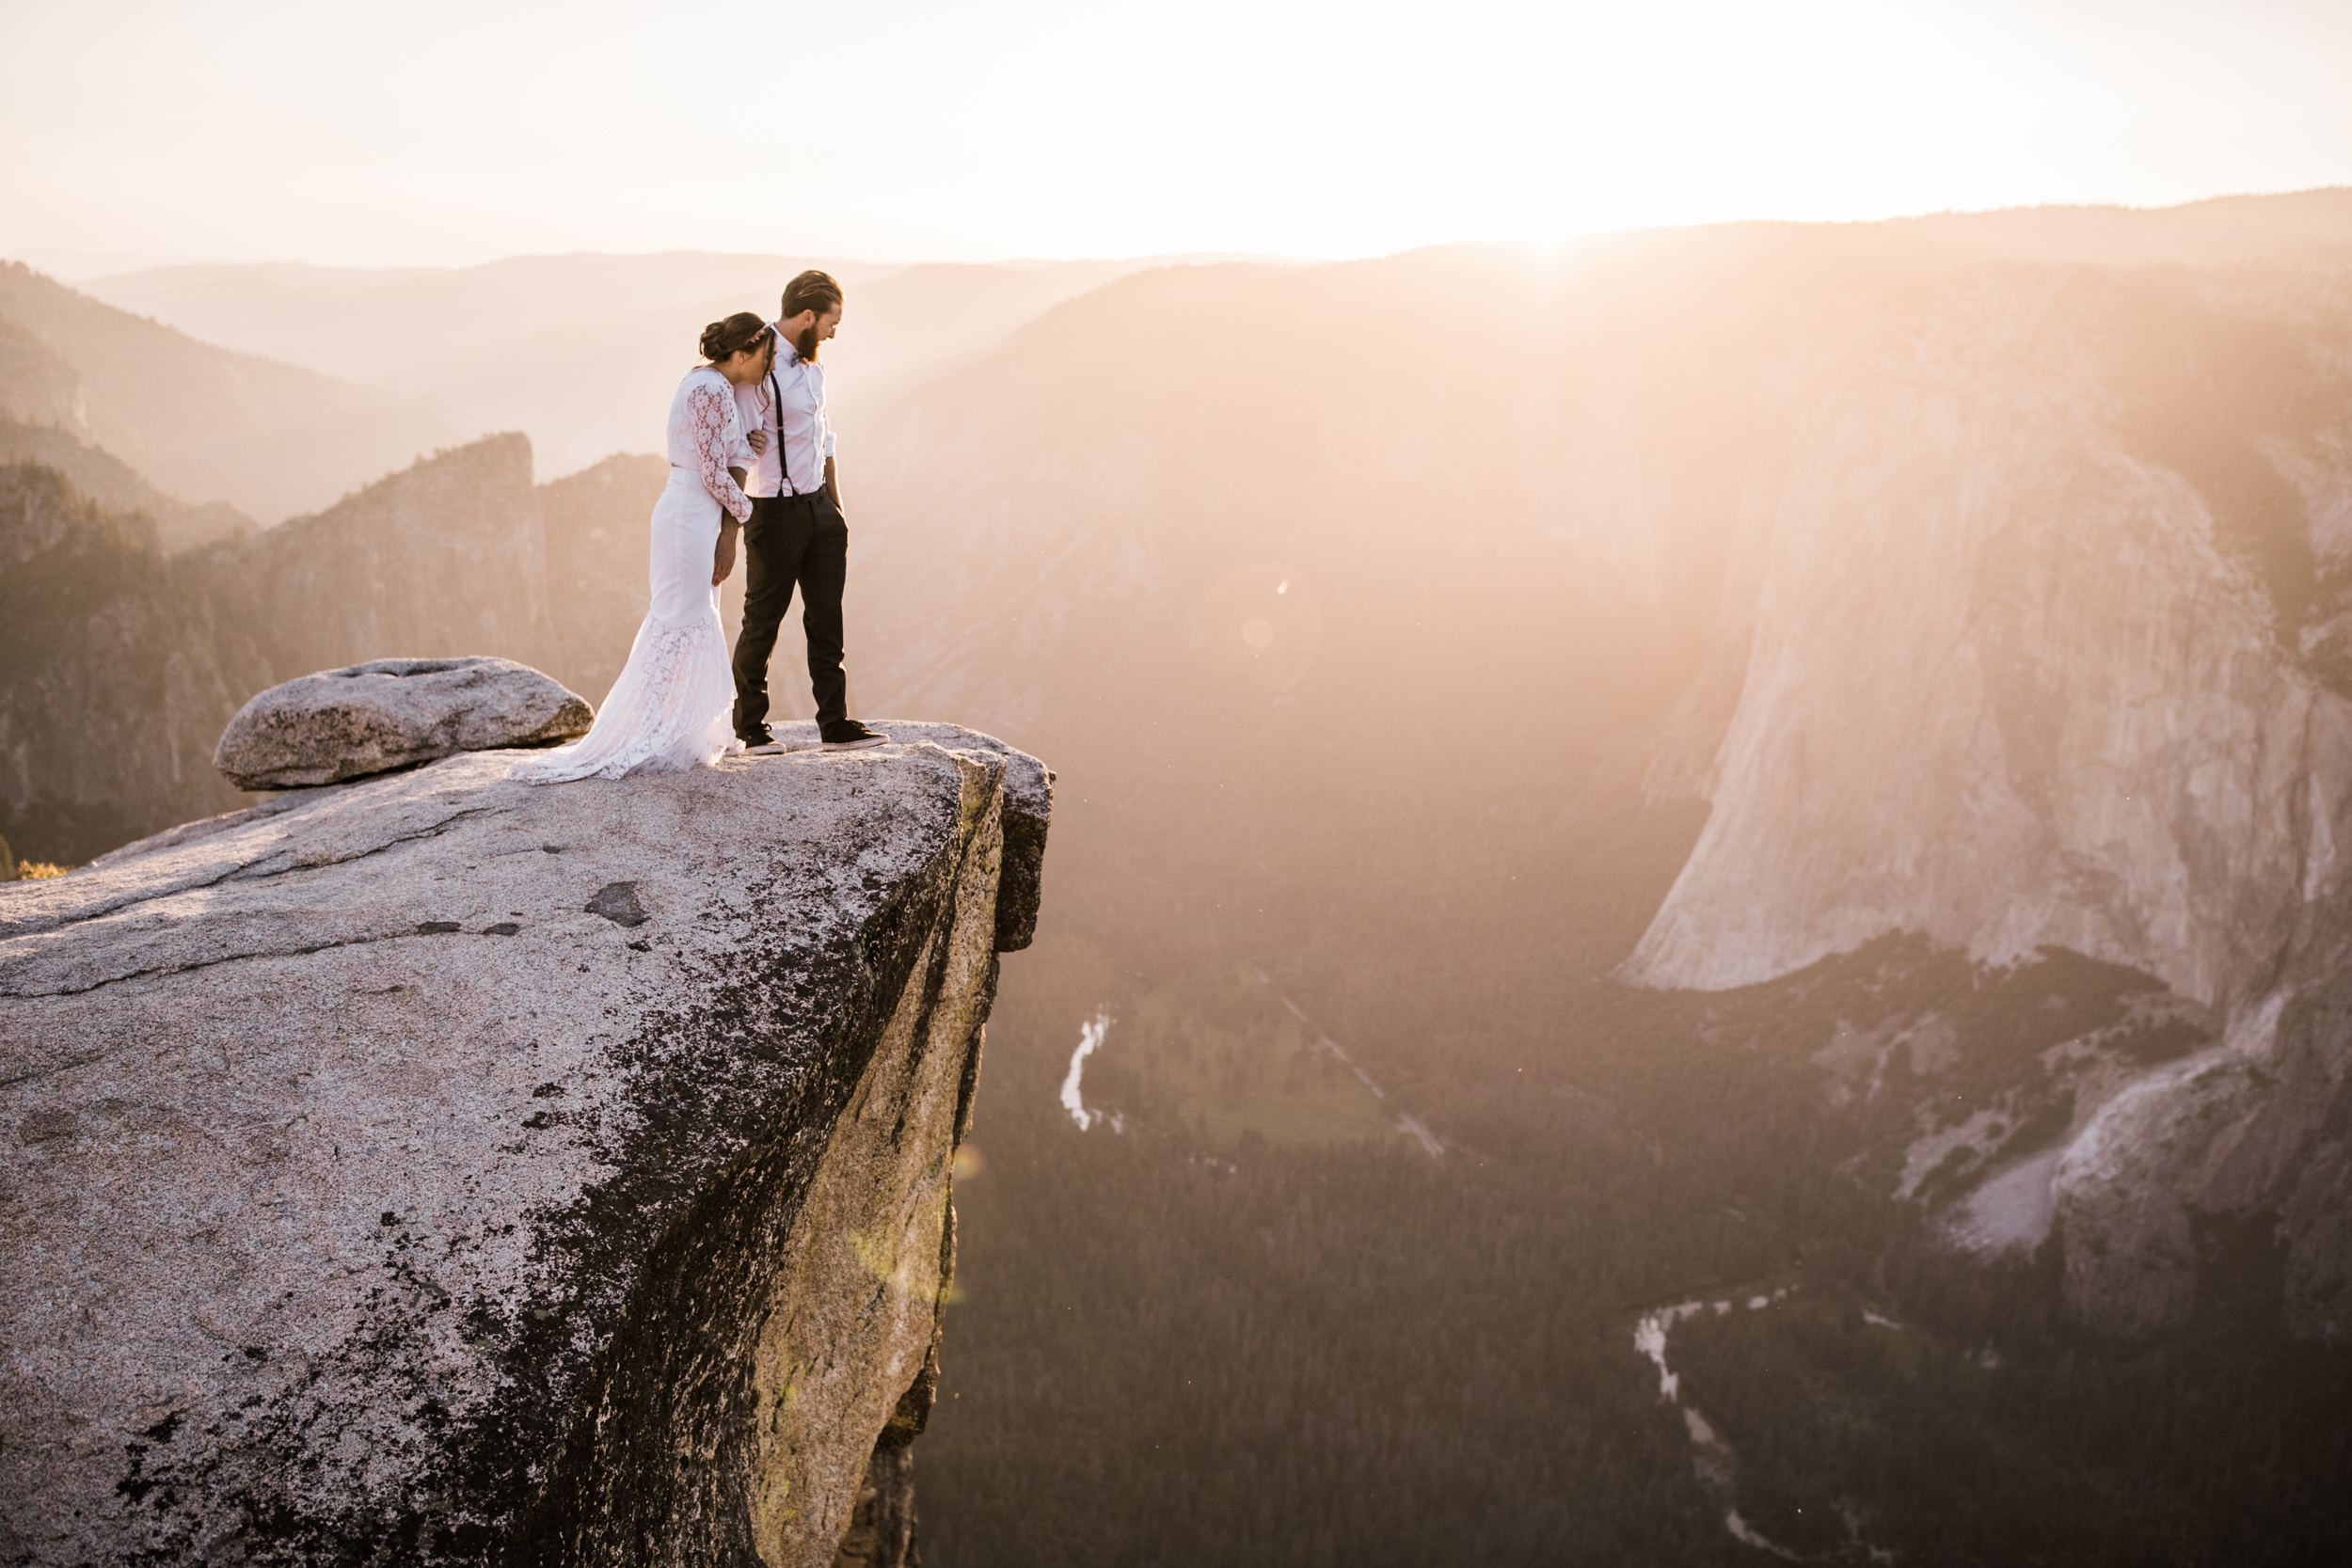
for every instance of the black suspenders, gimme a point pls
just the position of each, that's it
(784, 459)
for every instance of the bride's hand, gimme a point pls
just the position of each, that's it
(758, 438)
(723, 559)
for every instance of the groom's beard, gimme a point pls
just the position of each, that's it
(806, 344)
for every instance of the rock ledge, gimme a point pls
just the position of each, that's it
(377, 1198)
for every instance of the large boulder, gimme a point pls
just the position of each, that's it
(448, 1169)
(392, 713)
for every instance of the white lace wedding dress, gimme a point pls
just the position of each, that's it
(672, 707)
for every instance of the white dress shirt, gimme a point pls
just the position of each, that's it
(803, 437)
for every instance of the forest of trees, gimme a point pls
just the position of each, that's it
(1218, 1338)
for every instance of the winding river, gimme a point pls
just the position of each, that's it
(1717, 1466)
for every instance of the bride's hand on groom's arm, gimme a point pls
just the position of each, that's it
(758, 438)
(723, 559)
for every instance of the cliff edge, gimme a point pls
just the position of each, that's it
(441, 1169)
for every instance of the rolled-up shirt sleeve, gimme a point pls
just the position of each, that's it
(823, 415)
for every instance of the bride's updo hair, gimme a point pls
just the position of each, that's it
(723, 340)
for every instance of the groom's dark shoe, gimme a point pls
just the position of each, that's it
(760, 743)
(845, 734)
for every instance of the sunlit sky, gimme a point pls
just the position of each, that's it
(433, 133)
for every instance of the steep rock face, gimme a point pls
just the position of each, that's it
(36, 385)
(2010, 690)
(2255, 1132)
(1028, 811)
(439, 1168)
(2066, 675)
(595, 539)
(441, 559)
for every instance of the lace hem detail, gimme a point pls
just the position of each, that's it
(668, 712)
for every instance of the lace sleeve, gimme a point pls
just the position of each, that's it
(709, 411)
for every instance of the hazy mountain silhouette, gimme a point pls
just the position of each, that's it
(199, 423)
(361, 323)
(2218, 232)
(106, 479)
(580, 352)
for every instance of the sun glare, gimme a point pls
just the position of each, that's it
(454, 134)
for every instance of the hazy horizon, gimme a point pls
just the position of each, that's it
(920, 133)
(77, 267)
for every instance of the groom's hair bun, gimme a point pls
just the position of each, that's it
(723, 340)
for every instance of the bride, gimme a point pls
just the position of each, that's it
(671, 708)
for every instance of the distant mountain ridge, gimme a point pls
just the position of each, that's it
(113, 483)
(201, 423)
(582, 352)
(2221, 232)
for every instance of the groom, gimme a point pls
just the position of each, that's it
(797, 532)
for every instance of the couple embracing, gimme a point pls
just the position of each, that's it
(750, 449)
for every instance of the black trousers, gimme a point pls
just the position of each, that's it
(791, 539)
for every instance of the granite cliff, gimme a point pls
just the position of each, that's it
(2070, 676)
(435, 1168)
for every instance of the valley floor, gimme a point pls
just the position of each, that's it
(1213, 1337)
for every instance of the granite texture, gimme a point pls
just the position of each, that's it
(439, 1168)
(392, 713)
(1028, 811)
